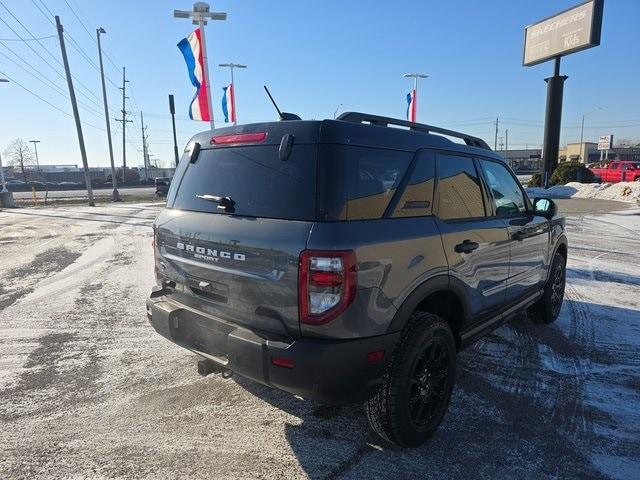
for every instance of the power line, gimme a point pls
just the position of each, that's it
(26, 39)
(73, 41)
(46, 101)
(44, 80)
(94, 99)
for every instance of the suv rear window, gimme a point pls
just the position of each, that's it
(260, 184)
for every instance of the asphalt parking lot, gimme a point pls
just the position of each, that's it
(89, 390)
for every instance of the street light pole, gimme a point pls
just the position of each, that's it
(582, 129)
(35, 148)
(415, 77)
(200, 15)
(115, 194)
(231, 66)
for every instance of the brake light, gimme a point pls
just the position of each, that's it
(236, 138)
(327, 284)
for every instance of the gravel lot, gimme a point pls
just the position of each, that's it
(88, 390)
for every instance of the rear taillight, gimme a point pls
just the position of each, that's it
(327, 284)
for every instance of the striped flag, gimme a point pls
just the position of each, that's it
(229, 104)
(191, 48)
(411, 106)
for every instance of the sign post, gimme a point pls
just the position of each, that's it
(605, 143)
(570, 31)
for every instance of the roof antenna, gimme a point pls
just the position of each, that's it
(282, 115)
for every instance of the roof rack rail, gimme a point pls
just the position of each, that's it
(357, 117)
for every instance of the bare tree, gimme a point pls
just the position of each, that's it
(19, 155)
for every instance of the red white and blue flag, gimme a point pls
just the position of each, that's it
(191, 48)
(229, 104)
(411, 106)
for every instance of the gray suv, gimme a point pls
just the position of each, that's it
(349, 260)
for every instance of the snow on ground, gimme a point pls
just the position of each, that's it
(89, 390)
(623, 191)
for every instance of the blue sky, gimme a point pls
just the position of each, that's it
(313, 56)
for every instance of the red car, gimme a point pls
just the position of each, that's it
(618, 171)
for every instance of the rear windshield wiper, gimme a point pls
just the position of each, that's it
(225, 203)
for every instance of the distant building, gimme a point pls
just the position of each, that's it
(523, 161)
(530, 160)
(574, 152)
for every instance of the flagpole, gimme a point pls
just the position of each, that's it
(415, 77)
(199, 15)
(233, 99)
(231, 66)
(205, 61)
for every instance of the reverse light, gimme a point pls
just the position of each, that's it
(236, 138)
(327, 284)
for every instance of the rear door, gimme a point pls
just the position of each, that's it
(237, 259)
(475, 243)
(528, 234)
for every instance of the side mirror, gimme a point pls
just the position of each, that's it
(545, 207)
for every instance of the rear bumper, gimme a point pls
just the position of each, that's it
(330, 371)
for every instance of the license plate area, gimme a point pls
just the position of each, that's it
(201, 333)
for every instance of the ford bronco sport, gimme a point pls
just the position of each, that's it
(349, 260)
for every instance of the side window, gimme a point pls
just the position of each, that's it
(373, 176)
(458, 191)
(507, 195)
(418, 193)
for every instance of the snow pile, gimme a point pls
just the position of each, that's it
(624, 191)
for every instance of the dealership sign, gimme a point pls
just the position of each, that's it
(605, 142)
(575, 29)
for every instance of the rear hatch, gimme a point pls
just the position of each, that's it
(237, 219)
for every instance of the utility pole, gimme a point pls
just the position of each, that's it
(76, 115)
(144, 146)
(582, 131)
(200, 15)
(35, 148)
(231, 66)
(116, 194)
(495, 142)
(413, 116)
(506, 139)
(172, 110)
(124, 124)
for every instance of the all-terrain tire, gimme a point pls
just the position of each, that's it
(419, 379)
(547, 309)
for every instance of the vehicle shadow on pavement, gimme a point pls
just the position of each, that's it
(519, 409)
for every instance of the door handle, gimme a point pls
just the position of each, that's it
(466, 247)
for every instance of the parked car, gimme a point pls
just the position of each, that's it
(618, 171)
(162, 186)
(348, 261)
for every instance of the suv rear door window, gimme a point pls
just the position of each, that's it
(260, 184)
(358, 182)
(418, 193)
(459, 193)
(507, 196)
